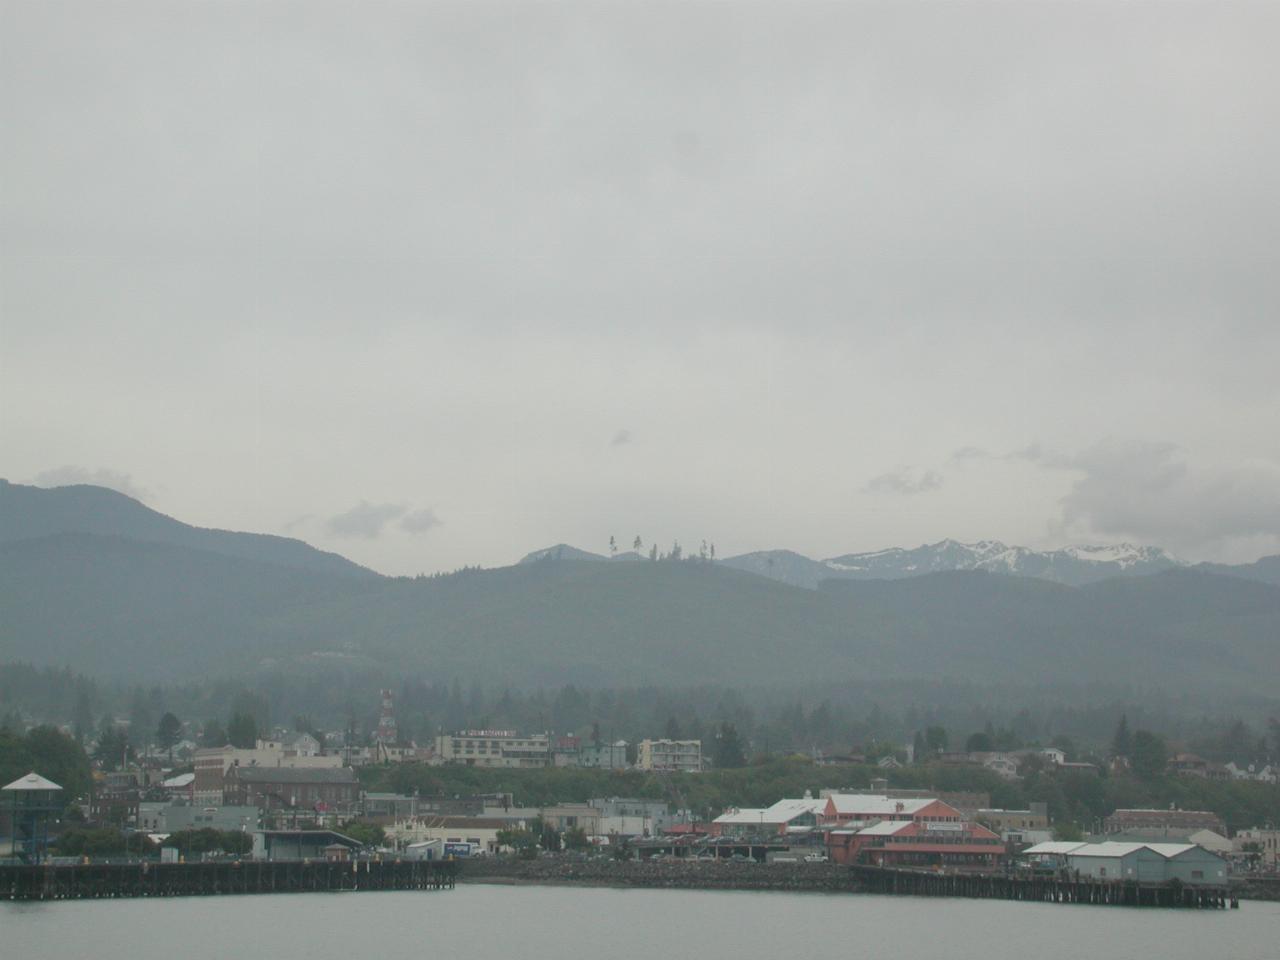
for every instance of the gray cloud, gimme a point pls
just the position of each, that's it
(71, 475)
(1149, 491)
(506, 230)
(420, 521)
(905, 480)
(365, 520)
(620, 438)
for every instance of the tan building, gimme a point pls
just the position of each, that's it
(684, 756)
(1264, 843)
(494, 748)
(481, 831)
(1005, 821)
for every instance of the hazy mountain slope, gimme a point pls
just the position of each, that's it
(785, 566)
(561, 551)
(1265, 570)
(32, 512)
(116, 607)
(139, 611)
(588, 623)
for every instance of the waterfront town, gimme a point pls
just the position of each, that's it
(295, 795)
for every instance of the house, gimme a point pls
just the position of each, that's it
(1052, 755)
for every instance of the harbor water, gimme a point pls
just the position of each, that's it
(493, 922)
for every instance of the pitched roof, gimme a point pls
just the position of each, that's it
(293, 774)
(885, 828)
(873, 804)
(1058, 847)
(32, 781)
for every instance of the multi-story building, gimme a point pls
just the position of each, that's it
(1262, 843)
(212, 765)
(320, 789)
(1036, 817)
(607, 756)
(684, 756)
(494, 748)
(1165, 823)
(173, 817)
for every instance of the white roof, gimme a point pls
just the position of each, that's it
(876, 805)
(1055, 846)
(32, 781)
(745, 815)
(1115, 848)
(1109, 848)
(1170, 850)
(784, 811)
(181, 780)
(884, 828)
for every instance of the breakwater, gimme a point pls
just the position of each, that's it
(691, 875)
(94, 881)
(834, 878)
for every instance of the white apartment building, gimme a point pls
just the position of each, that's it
(684, 756)
(494, 748)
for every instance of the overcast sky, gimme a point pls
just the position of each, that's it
(437, 284)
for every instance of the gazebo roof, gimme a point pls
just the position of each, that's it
(32, 781)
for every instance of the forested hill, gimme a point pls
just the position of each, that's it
(112, 606)
(29, 513)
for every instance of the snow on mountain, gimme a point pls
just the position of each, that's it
(1074, 565)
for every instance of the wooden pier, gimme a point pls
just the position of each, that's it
(147, 879)
(923, 883)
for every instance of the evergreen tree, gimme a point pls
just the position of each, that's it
(242, 731)
(728, 752)
(213, 735)
(918, 748)
(82, 718)
(1121, 744)
(1149, 755)
(936, 739)
(168, 733)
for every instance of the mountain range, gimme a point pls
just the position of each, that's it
(1071, 566)
(96, 581)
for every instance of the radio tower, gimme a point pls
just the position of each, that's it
(386, 721)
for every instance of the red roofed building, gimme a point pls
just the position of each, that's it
(917, 843)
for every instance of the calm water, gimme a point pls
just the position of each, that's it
(554, 923)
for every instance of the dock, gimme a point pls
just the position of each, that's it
(1124, 893)
(93, 881)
